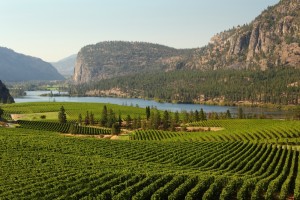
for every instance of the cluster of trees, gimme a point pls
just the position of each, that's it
(62, 116)
(274, 86)
(1, 113)
(154, 119)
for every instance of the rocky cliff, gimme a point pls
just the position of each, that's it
(5, 96)
(18, 67)
(109, 59)
(271, 40)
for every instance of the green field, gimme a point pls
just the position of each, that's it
(248, 159)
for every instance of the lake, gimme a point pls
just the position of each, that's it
(34, 96)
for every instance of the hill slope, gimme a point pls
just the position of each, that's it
(5, 96)
(19, 67)
(66, 66)
(110, 59)
(271, 40)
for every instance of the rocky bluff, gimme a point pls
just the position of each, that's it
(271, 40)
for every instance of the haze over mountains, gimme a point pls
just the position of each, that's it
(66, 66)
(271, 40)
(18, 67)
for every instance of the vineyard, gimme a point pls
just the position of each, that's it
(63, 127)
(246, 159)
(259, 131)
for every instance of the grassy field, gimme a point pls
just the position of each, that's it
(33, 111)
(248, 159)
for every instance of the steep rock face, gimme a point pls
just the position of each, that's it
(272, 39)
(18, 67)
(109, 59)
(5, 96)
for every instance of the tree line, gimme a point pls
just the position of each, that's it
(153, 119)
(274, 86)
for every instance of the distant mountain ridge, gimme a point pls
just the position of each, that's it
(18, 67)
(66, 66)
(271, 40)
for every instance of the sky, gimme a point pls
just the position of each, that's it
(55, 29)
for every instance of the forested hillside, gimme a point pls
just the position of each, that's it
(275, 86)
(271, 40)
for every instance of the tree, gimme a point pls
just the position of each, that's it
(115, 129)
(176, 117)
(240, 113)
(148, 111)
(197, 116)
(103, 120)
(202, 115)
(156, 120)
(79, 119)
(111, 118)
(1, 112)
(165, 120)
(139, 122)
(228, 114)
(120, 121)
(62, 117)
(87, 118)
(128, 121)
(92, 120)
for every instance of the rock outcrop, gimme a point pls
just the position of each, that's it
(110, 59)
(5, 96)
(271, 40)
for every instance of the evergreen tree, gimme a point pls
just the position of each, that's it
(197, 116)
(186, 116)
(148, 112)
(176, 117)
(87, 118)
(139, 122)
(1, 112)
(134, 123)
(172, 124)
(128, 121)
(103, 121)
(165, 120)
(92, 120)
(62, 117)
(240, 113)
(192, 116)
(202, 115)
(120, 121)
(115, 129)
(157, 120)
(79, 119)
(111, 118)
(228, 114)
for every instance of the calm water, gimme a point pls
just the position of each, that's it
(34, 96)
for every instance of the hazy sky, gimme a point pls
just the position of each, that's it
(55, 29)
